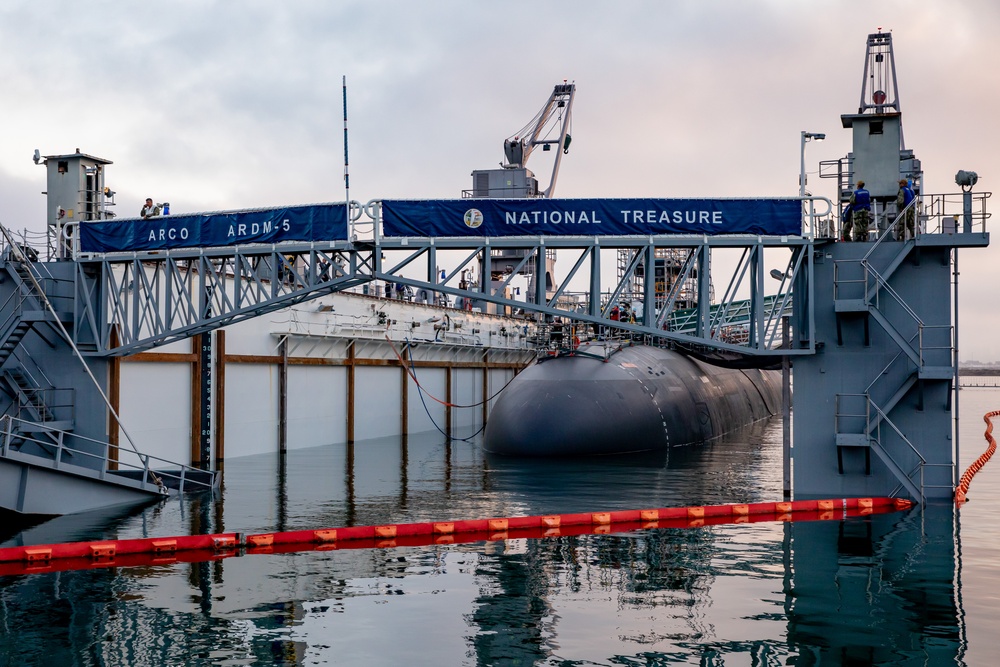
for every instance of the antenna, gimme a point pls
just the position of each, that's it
(347, 178)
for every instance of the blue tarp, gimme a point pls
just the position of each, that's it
(314, 222)
(590, 217)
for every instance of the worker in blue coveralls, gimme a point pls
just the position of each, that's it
(861, 208)
(903, 199)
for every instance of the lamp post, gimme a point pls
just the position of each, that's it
(806, 136)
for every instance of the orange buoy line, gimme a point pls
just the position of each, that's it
(195, 548)
(970, 472)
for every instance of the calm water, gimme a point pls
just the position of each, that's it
(917, 588)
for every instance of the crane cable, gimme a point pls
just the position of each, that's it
(971, 471)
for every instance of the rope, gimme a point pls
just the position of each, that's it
(963, 485)
(409, 371)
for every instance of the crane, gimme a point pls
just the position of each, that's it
(550, 127)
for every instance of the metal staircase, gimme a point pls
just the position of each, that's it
(45, 466)
(862, 289)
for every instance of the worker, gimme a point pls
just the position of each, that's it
(149, 210)
(861, 208)
(903, 199)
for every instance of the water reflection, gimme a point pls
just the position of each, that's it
(871, 590)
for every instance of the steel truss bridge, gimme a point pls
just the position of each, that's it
(150, 298)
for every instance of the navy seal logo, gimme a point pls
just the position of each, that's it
(473, 218)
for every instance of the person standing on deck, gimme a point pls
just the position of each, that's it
(903, 199)
(149, 210)
(861, 208)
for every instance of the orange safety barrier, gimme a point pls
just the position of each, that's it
(195, 548)
(970, 472)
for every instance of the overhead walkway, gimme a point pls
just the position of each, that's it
(153, 296)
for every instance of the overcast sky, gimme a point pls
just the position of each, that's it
(221, 105)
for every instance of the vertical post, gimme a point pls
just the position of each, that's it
(786, 412)
(649, 285)
(351, 358)
(594, 305)
(704, 289)
(447, 400)
(283, 398)
(967, 210)
(486, 385)
(220, 399)
(206, 393)
(114, 395)
(486, 276)
(404, 394)
(802, 165)
(540, 295)
(432, 274)
(347, 180)
(954, 360)
(196, 372)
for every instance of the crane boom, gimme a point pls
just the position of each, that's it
(550, 127)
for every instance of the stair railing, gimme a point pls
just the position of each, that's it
(11, 427)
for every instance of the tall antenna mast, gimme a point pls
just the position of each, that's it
(879, 91)
(347, 178)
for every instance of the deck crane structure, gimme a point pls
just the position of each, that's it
(549, 128)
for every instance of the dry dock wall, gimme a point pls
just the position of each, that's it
(337, 384)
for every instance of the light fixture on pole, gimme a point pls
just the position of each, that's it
(806, 136)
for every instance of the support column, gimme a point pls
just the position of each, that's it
(114, 397)
(206, 394)
(283, 398)
(486, 385)
(220, 399)
(404, 396)
(196, 371)
(594, 304)
(447, 399)
(786, 413)
(351, 358)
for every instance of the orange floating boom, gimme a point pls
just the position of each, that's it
(192, 548)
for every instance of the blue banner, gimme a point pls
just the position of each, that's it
(314, 222)
(590, 217)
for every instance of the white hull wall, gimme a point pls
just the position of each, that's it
(251, 409)
(155, 409)
(317, 403)
(156, 396)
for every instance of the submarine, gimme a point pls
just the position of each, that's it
(631, 399)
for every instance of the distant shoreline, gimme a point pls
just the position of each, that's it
(978, 370)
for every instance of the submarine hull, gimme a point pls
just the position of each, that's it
(640, 399)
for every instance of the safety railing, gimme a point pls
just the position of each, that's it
(15, 432)
(851, 414)
(918, 469)
(946, 214)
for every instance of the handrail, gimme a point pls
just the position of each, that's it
(10, 431)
